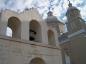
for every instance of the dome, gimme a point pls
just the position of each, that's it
(72, 8)
(51, 18)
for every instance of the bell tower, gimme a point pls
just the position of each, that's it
(75, 22)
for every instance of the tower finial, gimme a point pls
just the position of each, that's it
(70, 4)
(50, 8)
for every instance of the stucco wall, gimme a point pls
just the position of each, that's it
(14, 51)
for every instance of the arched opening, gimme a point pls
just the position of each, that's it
(51, 37)
(15, 25)
(37, 61)
(67, 59)
(35, 31)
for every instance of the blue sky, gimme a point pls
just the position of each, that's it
(59, 7)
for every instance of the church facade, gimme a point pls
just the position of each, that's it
(32, 41)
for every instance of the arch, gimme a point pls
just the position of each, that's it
(51, 37)
(37, 61)
(35, 31)
(15, 24)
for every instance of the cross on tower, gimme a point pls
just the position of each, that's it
(70, 4)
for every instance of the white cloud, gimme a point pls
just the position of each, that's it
(83, 12)
(58, 10)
